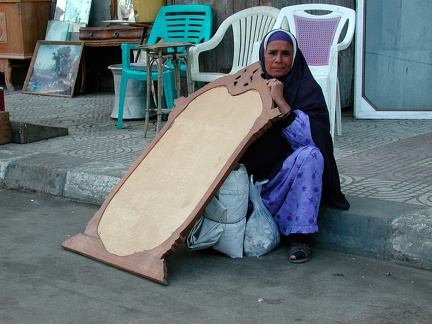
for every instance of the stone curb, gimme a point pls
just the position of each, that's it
(72, 178)
(393, 231)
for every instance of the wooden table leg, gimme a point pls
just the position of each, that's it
(6, 68)
(160, 64)
(149, 93)
(83, 71)
(175, 63)
(189, 81)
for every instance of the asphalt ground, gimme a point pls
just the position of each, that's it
(43, 283)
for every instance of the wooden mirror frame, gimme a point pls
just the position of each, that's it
(113, 9)
(155, 204)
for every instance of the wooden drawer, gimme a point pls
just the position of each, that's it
(111, 33)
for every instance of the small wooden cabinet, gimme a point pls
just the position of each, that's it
(22, 24)
(113, 34)
(102, 47)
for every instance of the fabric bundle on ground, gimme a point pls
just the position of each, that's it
(223, 223)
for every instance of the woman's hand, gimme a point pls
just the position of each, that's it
(276, 90)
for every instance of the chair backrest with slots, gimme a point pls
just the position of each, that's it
(182, 23)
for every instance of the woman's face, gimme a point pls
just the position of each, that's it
(278, 58)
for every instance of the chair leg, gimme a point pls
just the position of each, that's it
(333, 97)
(338, 108)
(122, 95)
(169, 88)
(330, 106)
(149, 97)
(332, 117)
(325, 85)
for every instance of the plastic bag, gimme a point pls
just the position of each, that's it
(223, 223)
(208, 228)
(262, 233)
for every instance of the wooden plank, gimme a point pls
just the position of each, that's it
(23, 133)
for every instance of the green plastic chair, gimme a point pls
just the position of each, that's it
(176, 23)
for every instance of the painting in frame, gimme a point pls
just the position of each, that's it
(73, 10)
(57, 31)
(54, 68)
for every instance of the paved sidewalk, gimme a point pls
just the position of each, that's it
(385, 167)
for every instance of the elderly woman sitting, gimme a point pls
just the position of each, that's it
(296, 153)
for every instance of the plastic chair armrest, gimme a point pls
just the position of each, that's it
(126, 55)
(196, 50)
(349, 33)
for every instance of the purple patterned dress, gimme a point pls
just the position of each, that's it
(293, 195)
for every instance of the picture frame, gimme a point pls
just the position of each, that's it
(57, 31)
(74, 28)
(73, 10)
(53, 68)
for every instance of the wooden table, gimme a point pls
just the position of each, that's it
(159, 54)
(109, 37)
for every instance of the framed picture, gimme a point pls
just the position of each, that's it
(74, 28)
(73, 10)
(57, 31)
(53, 68)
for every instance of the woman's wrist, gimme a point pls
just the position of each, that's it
(285, 115)
(284, 109)
(283, 106)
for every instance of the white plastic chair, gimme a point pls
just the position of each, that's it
(248, 26)
(318, 28)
